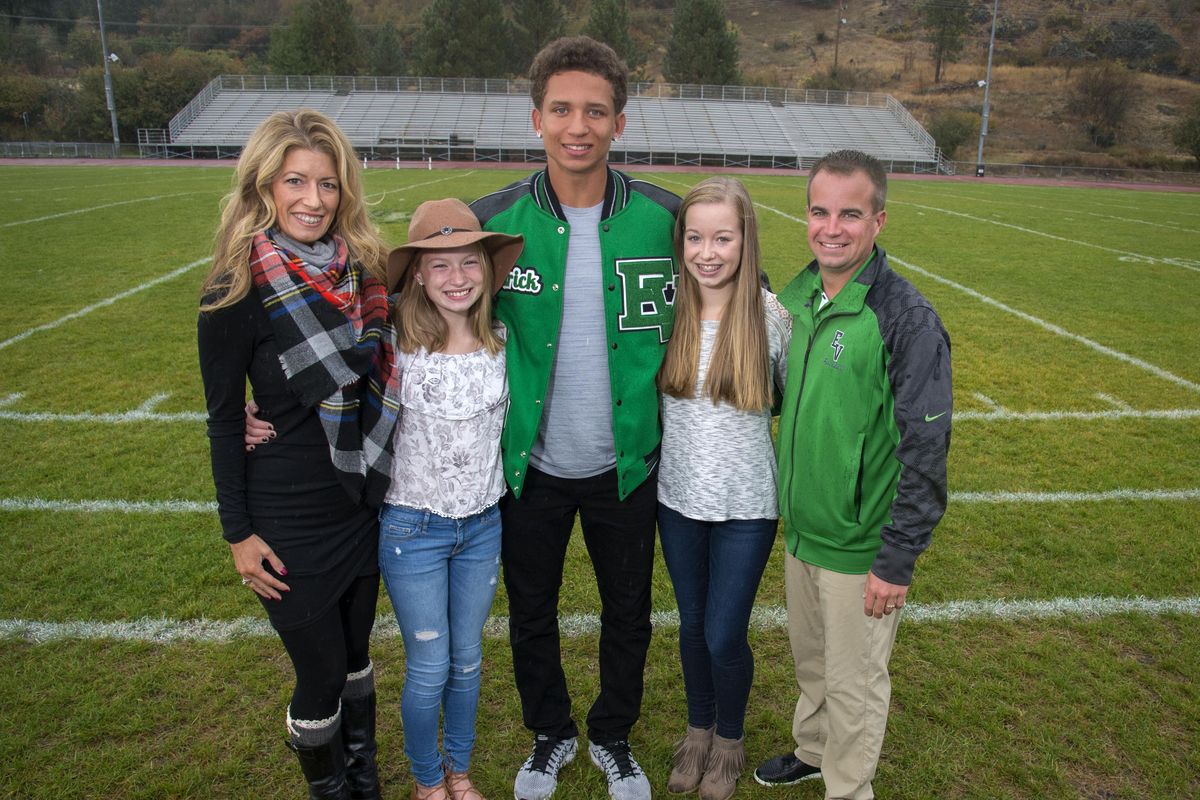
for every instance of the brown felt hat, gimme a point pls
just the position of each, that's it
(446, 224)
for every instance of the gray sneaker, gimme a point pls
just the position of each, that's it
(538, 777)
(626, 781)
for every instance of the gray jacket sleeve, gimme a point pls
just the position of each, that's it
(919, 373)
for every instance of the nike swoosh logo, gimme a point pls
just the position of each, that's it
(935, 416)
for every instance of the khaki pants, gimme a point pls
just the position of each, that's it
(841, 658)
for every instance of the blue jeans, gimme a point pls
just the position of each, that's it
(441, 576)
(715, 568)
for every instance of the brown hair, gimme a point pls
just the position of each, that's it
(847, 162)
(579, 54)
(739, 369)
(419, 324)
(249, 208)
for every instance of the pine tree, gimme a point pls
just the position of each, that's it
(945, 22)
(386, 55)
(703, 46)
(535, 23)
(321, 39)
(609, 23)
(465, 39)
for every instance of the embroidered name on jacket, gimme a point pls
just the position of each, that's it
(526, 281)
(647, 293)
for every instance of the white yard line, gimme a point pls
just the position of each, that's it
(994, 413)
(103, 303)
(1027, 498)
(167, 631)
(968, 498)
(1124, 254)
(95, 208)
(1000, 414)
(107, 506)
(1050, 326)
(376, 198)
(1061, 212)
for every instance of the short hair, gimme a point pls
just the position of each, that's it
(847, 162)
(579, 54)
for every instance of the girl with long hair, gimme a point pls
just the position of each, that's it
(717, 512)
(296, 303)
(439, 545)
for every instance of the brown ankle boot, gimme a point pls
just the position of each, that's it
(725, 762)
(691, 754)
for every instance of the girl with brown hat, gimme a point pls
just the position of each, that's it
(439, 548)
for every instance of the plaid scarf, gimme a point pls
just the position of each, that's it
(338, 351)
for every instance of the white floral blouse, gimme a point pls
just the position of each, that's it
(447, 444)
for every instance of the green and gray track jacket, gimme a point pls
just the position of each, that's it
(639, 302)
(865, 423)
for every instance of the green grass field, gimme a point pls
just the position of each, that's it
(1052, 645)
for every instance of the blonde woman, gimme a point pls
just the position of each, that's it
(296, 303)
(717, 510)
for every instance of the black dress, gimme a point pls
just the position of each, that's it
(286, 491)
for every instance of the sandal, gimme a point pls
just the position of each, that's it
(461, 788)
(437, 792)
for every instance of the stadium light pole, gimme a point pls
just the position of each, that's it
(987, 85)
(108, 89)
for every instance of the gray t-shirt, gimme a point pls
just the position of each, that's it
(575, 439)
(718, 463)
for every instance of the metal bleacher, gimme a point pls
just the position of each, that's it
(489, 120)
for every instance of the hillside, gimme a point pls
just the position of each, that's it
(881, 49)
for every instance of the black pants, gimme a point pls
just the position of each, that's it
(333, 645)
(620, 540)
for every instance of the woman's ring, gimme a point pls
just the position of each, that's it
(245, 581)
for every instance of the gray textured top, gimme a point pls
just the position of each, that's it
(576, 439)
(718, 463)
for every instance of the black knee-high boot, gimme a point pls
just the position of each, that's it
(324, 767)
(358, 741)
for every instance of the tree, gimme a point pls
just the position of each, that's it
(465, 39)
(609, 23)
(703, 46)
(1100, 98)
(945, 23)
(321, 39)
(535, 23)
(1186, 133)
(951, 129)
(386, 55)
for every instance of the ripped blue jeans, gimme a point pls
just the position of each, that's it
(441, 575)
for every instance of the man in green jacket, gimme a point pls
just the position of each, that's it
(589, 310)
(863, 435)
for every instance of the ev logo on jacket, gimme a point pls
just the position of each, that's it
(837, 345)
(647, 295)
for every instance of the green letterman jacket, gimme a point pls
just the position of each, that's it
(865, 425)
(639, 302)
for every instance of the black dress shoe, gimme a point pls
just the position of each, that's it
(785, 770)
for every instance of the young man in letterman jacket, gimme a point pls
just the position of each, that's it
(589, 309)
(863, 436)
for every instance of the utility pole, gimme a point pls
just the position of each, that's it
(108, 90)
(987, 85)
(837, 32)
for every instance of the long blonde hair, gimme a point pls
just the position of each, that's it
(249, 208)
(419, 324)
(739, 368)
